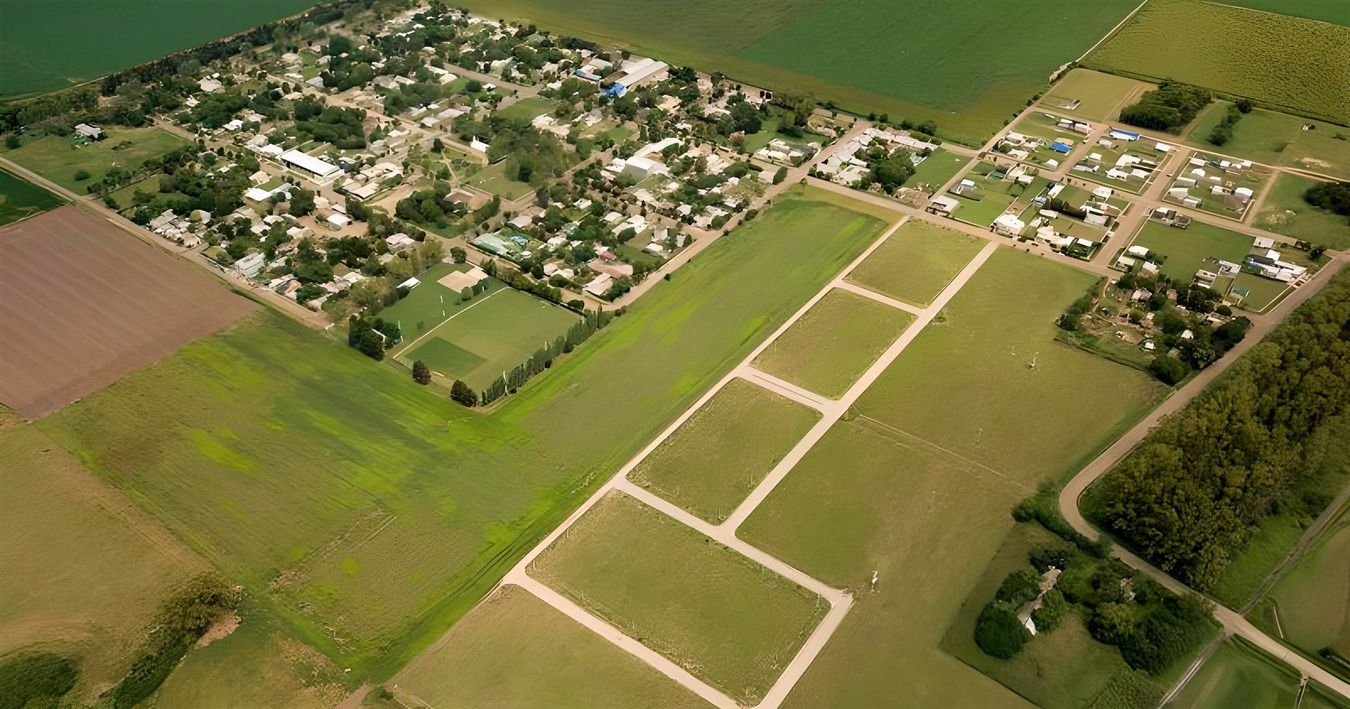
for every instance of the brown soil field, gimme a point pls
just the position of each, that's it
(83, 303)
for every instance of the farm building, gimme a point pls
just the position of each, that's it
(318, 170)
(89, 131)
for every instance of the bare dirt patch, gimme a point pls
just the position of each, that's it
(220, 630)
(83, 303)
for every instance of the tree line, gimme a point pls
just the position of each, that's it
(510, 382)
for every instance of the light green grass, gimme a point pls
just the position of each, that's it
(20, 199)
(834, 342)
(718, 614)
(1313, 603)
(1261, 292)
(513, 650)
(429, 303)
(1238, 675)
(916, 262)
(1286, 212)
(58, 159)
(526, 109)
(1193, 248)
(1325, 152)
(1099, 96)
(716, 457)
(936, 169)
(494, 179)
(125, 196)
(1267, 136)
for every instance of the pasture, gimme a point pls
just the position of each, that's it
(1286, 212)
(1238, 674)
(1199, 246)
(20, 199)
(916, 262)
(514, 650)
(1092, 95)
(714, 612)
(1278, 60)
(1275, 138)
(59, 159)
(936, 169)
(717, 456)
(834, 342)
(1312, 598)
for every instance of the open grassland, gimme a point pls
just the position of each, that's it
(1280, 60)
(1334, 11)
(20, 199)
(1286, 212)
(936, 169)
(1313, 598)
(58, 159)
(719, 615)
(84, 569)
(834, 342)
(1317, 696)
(916, 262)
(923, 59)
(525, 110)
(1099, 96)
(718, 455)
(514, 651)
(495, 180)
(1238, 675)
(1275, 138)
(381, 513)
(1323, 152)
(50, 44)
(1188, 250)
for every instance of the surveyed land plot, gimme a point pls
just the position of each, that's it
(514, 650)
(60, 159)
(1092, 95)
(1284, 211)
(916, 262)
(717, 456)
(834, 342)
(83, 303)
(721, 616)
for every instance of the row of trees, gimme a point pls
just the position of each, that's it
(1223, 132)
(1190, 494)
(542, 359)
(1169, 107)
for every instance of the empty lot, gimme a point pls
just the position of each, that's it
(83, 303)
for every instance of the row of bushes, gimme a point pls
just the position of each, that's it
(539, 361)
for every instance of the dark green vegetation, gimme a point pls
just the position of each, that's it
(1188, 496)
(1223, 131)
(1168, 107)
(920, 60)
(1240, 675)
(20, 199)
(33, 680)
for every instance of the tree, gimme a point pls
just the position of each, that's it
(779, 176)
(81, 175)
(308, 292)
(370, 344)
(999, 633)
(1052, 610)
(461, 393)
(1018, 587)
(458, 255)
(745, 117)
(1168, 370)
(302, 202)
(421, 373)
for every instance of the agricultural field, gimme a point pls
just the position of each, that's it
(59, 159)
(719, 615)
(1277, 60)
(1239, 675)
(1333, 11)
(85, 569)
(834, 342)
(717, 456)
(83, 303)
(20, 199)
(519, 652)
(1311, 601)
(936, 169)
(1284, 211)
(916, 262)
(924, 60)
(42, 49)
(1091, 95)
(1199, 246)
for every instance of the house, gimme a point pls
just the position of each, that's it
(942, 205)
(251, 264)
(600, 285)
(1009, 225)
(209, 85)
(89, 131)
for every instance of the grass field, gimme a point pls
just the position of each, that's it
(58, 159)
(20, 199)
(525, 110)
(1238, 675)
(514, 650)
(1312, 598)
(1333, 11)
(84, 569)
(1286, 212)
(936, 169)
(1275, 138)
(923, 60)
(1324, 152)
(712, 611)
(1279, 60)
(916, 262)
(1193, 248)
(493, 179)
(1099, 96)
(834, 342)
(713, 460)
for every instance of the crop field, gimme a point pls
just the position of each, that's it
(58, 159)
(1098, 96)
(714, 612)
(1333, 11)
(42, 49)
(717, 456)
(929, 444)
(1280, 60)
(83, 303)
(1239, 675)
(1193, 248)
(1312, 598)
(84, 568)
(513, 650)
(936, 169)
(20, 199)
(834, 342)
(922, 60)
(1286, 212)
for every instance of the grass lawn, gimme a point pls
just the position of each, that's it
(526, 109)
(1261, 292)
(1325, 152)
(493, 179)
(58, 159)
(916, 262)
(714, 612)
(124, 196)
(84, 569)
(514, 650)
(936, 169)
(1197, 247)
(1262, 136)
(713, 460)
(834, 342)
(20, 199)
(430, 303)
(1238, 675)
(1098, 95)
(1286, 212)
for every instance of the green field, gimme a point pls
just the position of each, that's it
(1286, 212)
(1324, 152)
(922, 60)
(1193, 248)
(382, 513)
(1334, 11)
(1238, 675)
(20, 199)
(513, 650)
(719, 615)
(494, 179)
(936, 169)
(834, 342)
(58, 159)
(1099, 96)
(1312, 598)
(1278, 60)
(716, 457)
(1276, 139)
(50, 44)
(916, 262)
(525, 110)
